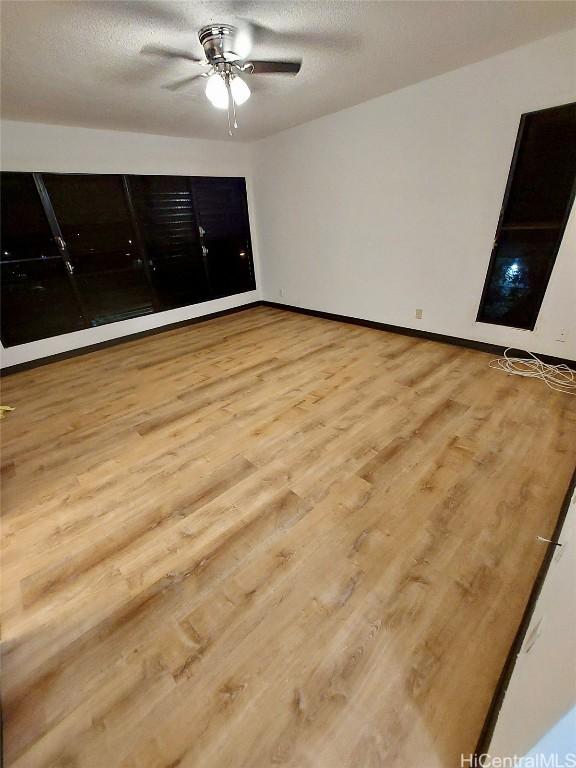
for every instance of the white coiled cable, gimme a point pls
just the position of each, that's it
(561, 378)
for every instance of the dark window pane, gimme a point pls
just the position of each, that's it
(108, 266)
(538, 199)
(543, 176)
(37, 297)
(167, 220)
(223, 215)
(518, 270)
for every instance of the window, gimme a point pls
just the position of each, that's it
(98, 235)
(169, 229)
(38, 299)
(221, 205)
(81, 250)
(537, 202)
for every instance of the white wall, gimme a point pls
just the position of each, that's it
(36, 147)
(542, 689)
(392, 205)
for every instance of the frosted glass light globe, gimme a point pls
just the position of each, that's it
(240, 90)
(217, 92)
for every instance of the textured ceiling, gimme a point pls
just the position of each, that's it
(78, 62)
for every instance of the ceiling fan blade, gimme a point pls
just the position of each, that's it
(169, 53)
(273, 67)
(244, 39)
(312, 39)
(184, 82)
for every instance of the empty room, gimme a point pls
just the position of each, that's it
(288, 413)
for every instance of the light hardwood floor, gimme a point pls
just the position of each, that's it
(268, 539)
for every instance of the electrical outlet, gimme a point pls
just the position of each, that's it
(563, 335)
(418, 314)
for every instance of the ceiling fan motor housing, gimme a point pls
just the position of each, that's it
(218, 43)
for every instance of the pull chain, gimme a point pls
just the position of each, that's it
(231, 106)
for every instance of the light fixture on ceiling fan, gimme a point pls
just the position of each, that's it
(227, 49)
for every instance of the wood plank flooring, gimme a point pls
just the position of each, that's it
(265, 540)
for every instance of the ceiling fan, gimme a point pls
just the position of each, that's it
(227, 50)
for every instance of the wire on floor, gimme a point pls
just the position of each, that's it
(561, 378)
